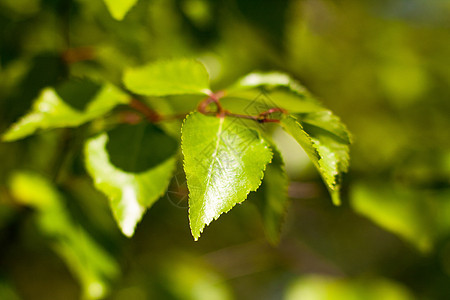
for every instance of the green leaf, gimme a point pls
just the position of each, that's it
(192, 278)
(223, 161)
(94, 268)
(7, 291)
(267, 79)
(142, 173)
(419, 216)
(327, 121)
(171, 77)
(272, 89)
(138, 148)
(119, 8)
(329, 154)
(51, 110)
(78, 93)
(328, 288)
(273, 200)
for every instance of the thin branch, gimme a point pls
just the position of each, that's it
(203, 107)
(74, 55)
(149, 114)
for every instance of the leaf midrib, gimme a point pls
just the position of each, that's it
(214, 156)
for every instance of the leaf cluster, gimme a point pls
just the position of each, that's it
(131, 156)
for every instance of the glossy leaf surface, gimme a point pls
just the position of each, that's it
(223, 161)
(273, 89)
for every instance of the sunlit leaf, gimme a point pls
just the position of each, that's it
(273, 89)
(328, 288)
(119, 8)
(273, 198)
(52, 110)
(223, 162)
(171, 77)
(94, 268)
(327, 121)
(329, 155)
(132, 166)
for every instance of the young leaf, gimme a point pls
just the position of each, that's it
(172, 77)
(273, 89)
(322, 135)
(329, 155)
(268, 79)
(141, 174)
(93, 267)
(223, 162)
(273, 200)
(119, 8)
(327, 121)
(50, 110)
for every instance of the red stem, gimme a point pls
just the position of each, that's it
(74, 55)
(149, 114)
(203, 107)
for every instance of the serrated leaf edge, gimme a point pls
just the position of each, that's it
(253, 189)
(332, 185)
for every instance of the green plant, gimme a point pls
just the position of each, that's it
(131, 147)
(110, 142)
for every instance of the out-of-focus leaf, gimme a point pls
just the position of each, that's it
(191, 279)
(417, 216)
(119, 8)
(171, 77)
(329, 155)
(273, 200)
(144, 163)
(50, 110)
(21, 82)
(223, 162)
(273, 89)
(7, 291)
(94, 268)
(78, 92)
(328, 288)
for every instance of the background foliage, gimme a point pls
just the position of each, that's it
(382, 66)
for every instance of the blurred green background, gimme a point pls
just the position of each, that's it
(382, 66)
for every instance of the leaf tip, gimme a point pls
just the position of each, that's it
(196, 232)
(119, 9)
(335, 197)
(127, 231)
